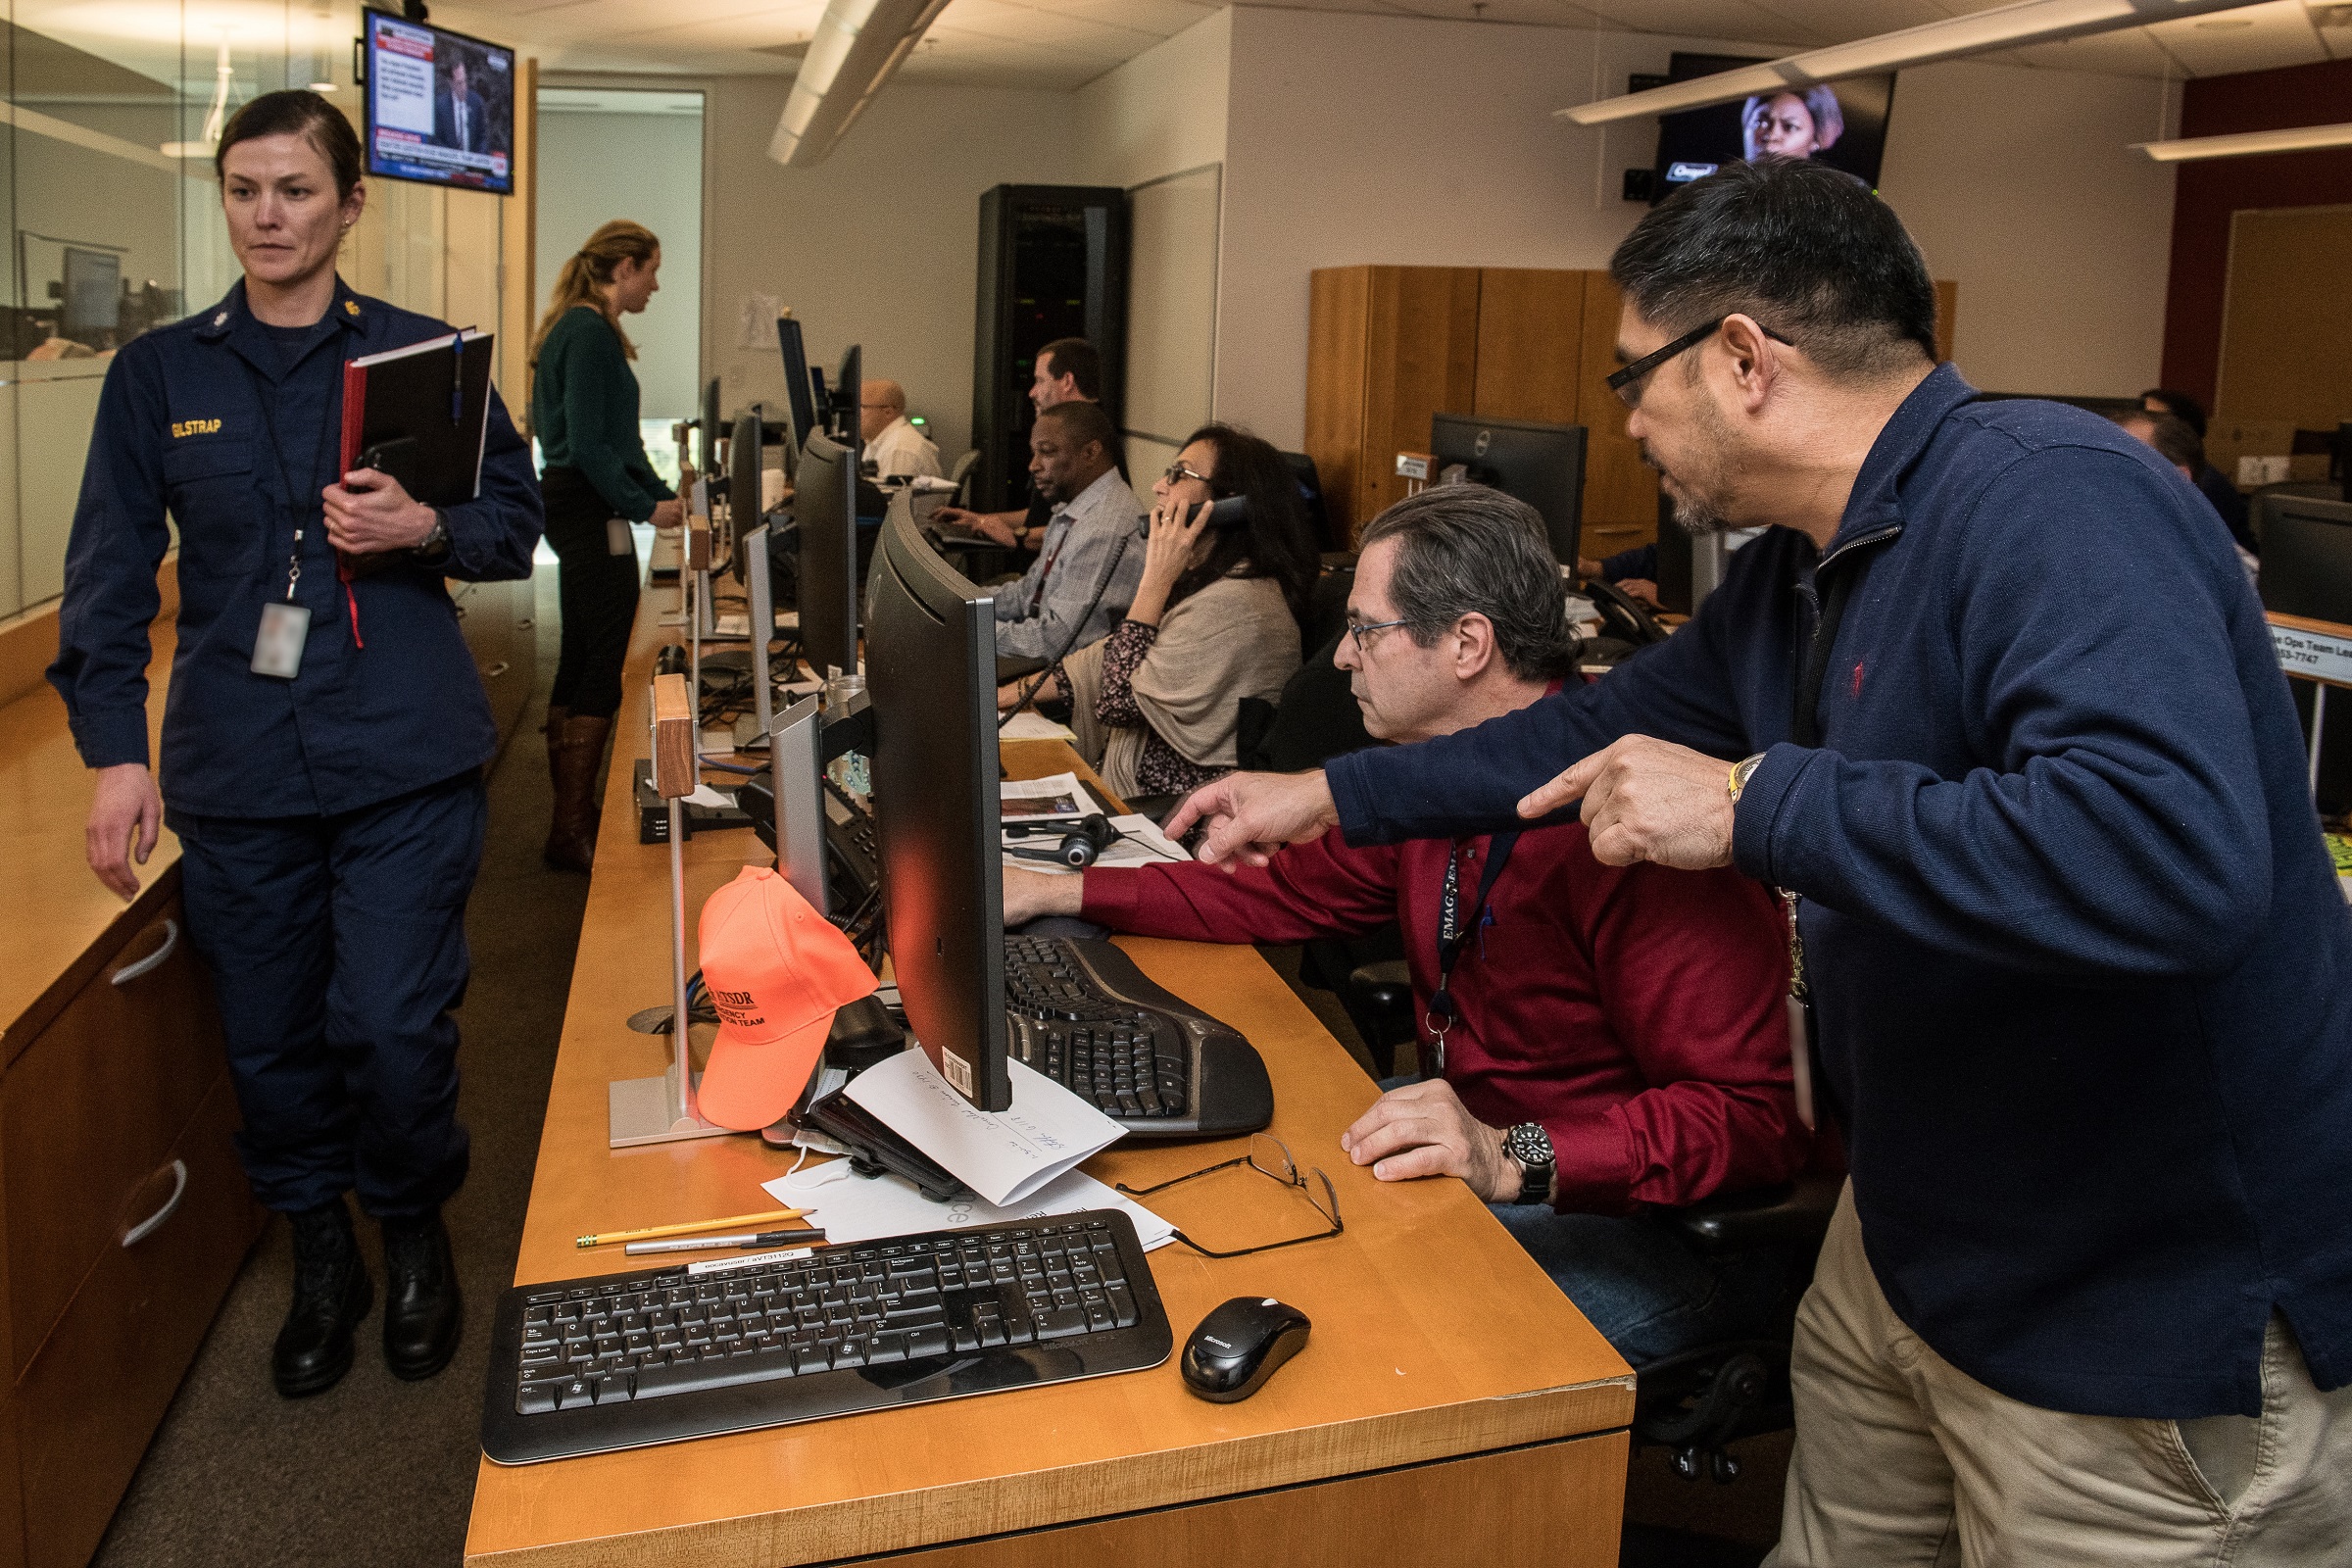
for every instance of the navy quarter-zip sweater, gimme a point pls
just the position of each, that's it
(2083, 974)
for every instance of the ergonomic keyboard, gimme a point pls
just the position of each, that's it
(1083, 1015)
(663, 1355)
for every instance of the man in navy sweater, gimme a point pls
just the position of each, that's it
(2009, 730)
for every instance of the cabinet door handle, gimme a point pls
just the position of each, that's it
(154, 1221)
(131, 971)
(495, 670)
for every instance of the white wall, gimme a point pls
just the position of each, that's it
(877, 245)
(2058, 233)
(1368, 139)
(581, 186)
(1161, 112)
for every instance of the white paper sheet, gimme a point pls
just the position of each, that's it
(737, 625)
(1028, 800)
(1002, 1155)
(1034, 726)
(861, 1208)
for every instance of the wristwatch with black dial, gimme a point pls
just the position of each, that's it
(1531, 1146)
(435, 545)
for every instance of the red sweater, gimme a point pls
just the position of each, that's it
(1637, 1012)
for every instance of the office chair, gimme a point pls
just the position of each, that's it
(961, 476)
(1311, 497)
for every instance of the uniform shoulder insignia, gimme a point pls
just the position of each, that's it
(220, 319)
(351, 306)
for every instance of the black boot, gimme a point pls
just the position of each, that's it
(422, 1311)
(331, 1295)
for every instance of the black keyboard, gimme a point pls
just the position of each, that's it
(627, 1360)
(1083, 1015)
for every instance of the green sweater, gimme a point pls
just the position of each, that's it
(584, 412)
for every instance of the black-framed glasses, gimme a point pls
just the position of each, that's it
(1270, 1156)
(1627, 376)
(1178, 472)
(1362, 630)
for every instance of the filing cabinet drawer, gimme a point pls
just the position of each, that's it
(91, 1109)
(93, 1395)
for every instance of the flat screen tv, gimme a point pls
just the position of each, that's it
(1841, 124)
(440, 105)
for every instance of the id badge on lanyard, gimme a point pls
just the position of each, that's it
(285, 628)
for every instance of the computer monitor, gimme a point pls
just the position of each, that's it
(798, 388)
(931, 673)
(743, 482)
(847, 391)
(824, 510)
(1542, 465)
(93, 297)
(706, 459)
(2306, 556)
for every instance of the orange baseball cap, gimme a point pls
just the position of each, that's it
(775, 970)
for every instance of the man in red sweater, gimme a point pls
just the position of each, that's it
(1618, 1042)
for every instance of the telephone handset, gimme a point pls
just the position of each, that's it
(1230, 512)
(1622, 616)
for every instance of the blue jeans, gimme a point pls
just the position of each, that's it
(1649, 1292)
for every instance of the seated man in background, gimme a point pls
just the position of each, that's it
(2176, 441)
(1619, 1037)
(893, 445)
(2210, 482)
(1068, 370)
(1092, 556)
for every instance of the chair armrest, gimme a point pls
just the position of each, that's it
(1797, 1213)
(1385, 990)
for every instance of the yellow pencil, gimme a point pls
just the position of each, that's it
(691, 1225)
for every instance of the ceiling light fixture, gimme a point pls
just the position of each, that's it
(224, 76)
(857, 47)
(2003, 27)
(2294, 139)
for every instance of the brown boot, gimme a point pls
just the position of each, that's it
(572, 839)
(553, 729)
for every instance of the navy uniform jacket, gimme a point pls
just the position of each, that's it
(180, 427)
(2082, 973)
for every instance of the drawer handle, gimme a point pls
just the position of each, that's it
(524, 624)
(131, 971)
(495, 670)
(154, 1221)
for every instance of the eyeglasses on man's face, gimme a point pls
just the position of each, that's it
(1629, 380)
(1270, 1157)
(1365, 632)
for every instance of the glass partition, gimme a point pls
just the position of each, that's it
(114, 221)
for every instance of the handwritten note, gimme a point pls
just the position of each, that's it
(1002, 1155)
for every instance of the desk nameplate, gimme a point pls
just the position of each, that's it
(2313, 650)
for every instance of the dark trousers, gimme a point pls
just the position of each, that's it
(597, 591)
(337, 947)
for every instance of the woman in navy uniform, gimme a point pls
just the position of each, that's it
(323, 739)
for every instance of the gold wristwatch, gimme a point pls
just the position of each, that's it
(1741, 771)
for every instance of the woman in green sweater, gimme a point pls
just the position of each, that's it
(596, 480)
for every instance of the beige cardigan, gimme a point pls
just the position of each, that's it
(1235, 637)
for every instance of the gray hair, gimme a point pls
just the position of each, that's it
(1463, 550)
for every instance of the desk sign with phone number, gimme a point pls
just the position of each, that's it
(2313, 650)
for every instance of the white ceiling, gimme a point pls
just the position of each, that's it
(1066, 44)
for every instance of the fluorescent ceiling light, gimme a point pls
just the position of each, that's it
(2002, 27)
(2295, 140)
(857, 47)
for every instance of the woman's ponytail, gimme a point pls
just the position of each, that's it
(588, 270)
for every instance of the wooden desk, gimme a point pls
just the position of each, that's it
(1452, 1408)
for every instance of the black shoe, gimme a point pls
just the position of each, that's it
(331, 1295)
(422, 1311)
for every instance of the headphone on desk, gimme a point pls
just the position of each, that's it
(1081, 845)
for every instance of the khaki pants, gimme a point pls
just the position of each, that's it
(1901, 1458)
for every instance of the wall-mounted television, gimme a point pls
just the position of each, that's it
(440, 105)
(1841, 124)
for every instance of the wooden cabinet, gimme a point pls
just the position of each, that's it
(1390, 346)
(496, 618)
(123, 1217)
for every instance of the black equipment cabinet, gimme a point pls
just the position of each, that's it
(1053, 265)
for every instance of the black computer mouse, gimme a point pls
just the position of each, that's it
(1238, 1347)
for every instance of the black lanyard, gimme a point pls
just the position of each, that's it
(264, 396)
(1453, 933)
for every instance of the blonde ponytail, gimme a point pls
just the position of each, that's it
(588, 270)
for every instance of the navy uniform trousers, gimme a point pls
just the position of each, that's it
(337, 945)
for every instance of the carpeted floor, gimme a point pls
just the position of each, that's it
(378, 1473)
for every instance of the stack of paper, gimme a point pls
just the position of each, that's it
(1060, 797)
(859, 1208)
(1004, 1155)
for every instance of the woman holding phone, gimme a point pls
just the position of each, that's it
(1156, 704)
(596, 483)
(323, 738)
